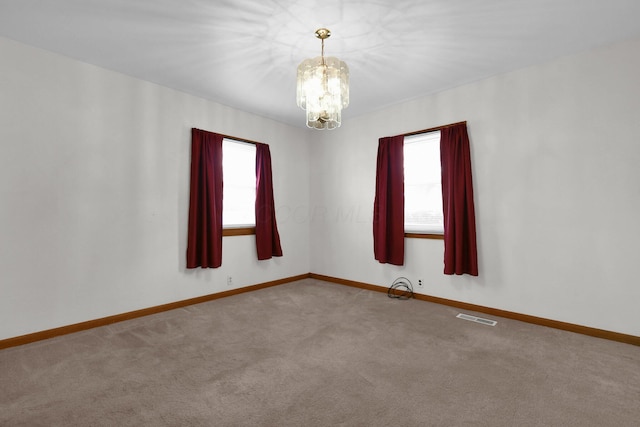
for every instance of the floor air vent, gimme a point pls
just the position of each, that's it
(477, 319)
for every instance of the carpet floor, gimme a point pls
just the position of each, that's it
(311, 353)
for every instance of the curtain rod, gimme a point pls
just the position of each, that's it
(235, 138)
(434, 128)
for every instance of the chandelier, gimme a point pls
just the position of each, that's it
(323, 88)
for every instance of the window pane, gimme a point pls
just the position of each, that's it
(239, 177)
(422, 184)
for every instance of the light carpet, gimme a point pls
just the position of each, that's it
(312, 353)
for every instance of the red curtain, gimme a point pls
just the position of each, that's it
(267, 237)
(460, 252)
(388, 206)
(204, 241)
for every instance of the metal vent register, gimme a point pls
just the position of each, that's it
(477, 319)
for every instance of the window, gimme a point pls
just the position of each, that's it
(239, 178)
(422, 185)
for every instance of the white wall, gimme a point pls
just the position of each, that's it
(94, 178)
(556, 155)
(94, 191)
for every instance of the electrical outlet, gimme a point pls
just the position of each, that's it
(229, 281)
(419, 282)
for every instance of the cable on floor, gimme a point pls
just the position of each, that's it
(401, 288)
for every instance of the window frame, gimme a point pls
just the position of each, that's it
(427, 234)
(237, 230)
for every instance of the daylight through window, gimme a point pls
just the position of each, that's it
(239, 180)
(422, 184)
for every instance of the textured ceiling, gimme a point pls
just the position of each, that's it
(244, 53)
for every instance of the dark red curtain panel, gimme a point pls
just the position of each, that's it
(204, 242)
(460, 253)
(388, 206)
(267, 237)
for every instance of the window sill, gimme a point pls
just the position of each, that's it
(243, 231)
(424, 236)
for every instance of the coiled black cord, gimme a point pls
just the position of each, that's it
(401, 288)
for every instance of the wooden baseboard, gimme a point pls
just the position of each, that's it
(584, 330)
(77, 327)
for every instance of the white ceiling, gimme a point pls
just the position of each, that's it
(244, 53)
